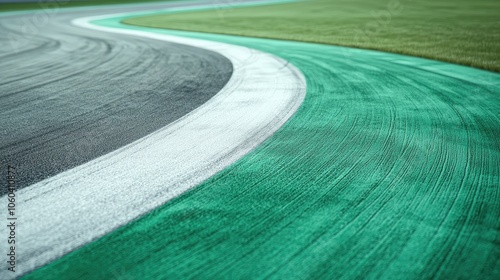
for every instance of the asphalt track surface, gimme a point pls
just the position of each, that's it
(389, 169)
(69, 94)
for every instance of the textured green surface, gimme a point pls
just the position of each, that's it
(459, 31)
(390, 169)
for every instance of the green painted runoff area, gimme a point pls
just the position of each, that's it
(389, 170)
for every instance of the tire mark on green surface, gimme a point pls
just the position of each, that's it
(385, 171)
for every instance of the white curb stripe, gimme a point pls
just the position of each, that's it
(75, 207)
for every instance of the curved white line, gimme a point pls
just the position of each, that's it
(75, 207)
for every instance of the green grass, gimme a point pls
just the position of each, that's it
(7, 7)
(459, 31)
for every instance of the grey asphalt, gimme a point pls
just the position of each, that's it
(69, 95)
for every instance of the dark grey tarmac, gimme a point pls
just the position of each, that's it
(69, 95)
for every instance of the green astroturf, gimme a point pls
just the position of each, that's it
(460, 31)
(389, 170)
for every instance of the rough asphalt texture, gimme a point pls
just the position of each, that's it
(69, 95)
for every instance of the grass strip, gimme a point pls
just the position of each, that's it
(458, 31)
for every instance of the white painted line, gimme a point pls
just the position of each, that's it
(75, 207)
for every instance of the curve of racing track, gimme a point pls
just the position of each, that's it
(69, 94)
(390, 167)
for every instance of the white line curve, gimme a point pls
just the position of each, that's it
(65, 212)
